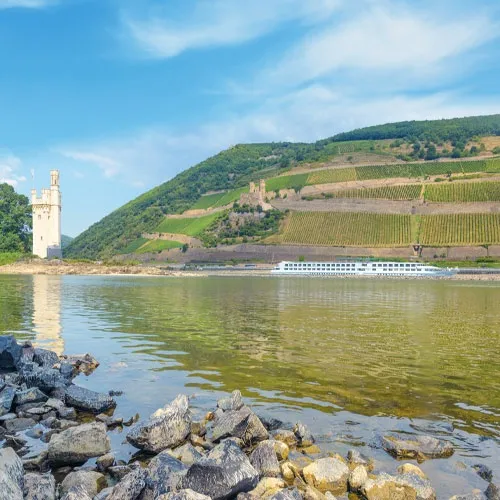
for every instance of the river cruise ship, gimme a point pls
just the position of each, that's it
(361, 269)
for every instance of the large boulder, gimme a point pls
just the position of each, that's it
(164, 474)
(264, 460)
(44, 357)
(223, 473)
(39, 487)
(6, 399)
(233, 402)
(386, 487)
(186, 453)
(167, 428)
(77, 444)
(418, 447)
(87, 400)
(77, 493)
(92, 482)
(130, 487)
(32, 395)
(327, 474)
(243, 424)
(10, 352)
(46, 379)
(358, 477)
(11, 475)
(422, 486)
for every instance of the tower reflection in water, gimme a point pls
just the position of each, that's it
(47, 313)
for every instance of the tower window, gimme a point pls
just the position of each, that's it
(39, 217)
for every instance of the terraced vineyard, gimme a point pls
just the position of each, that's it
(332, 175)
(189, 226)
(463, 192)
(493, 165)
(348, 229)
(208, 201)
(230, 197)
(158, 246)
(460, 230)
(297, 181)
(402, 192)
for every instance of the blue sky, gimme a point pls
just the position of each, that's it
(121, 95)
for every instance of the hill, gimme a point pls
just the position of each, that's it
(199, 188)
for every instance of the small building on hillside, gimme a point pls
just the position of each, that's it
(47, 219)
(256, 196)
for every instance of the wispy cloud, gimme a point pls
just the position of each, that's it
(218, 23)
(10, 165)
(28, 4)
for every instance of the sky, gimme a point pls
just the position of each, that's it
(121, 95)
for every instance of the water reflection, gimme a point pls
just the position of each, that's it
(47, 327)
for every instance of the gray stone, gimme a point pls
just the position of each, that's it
(76, 493)
(39, 487)
(186, 453)
(386, 487)
(118, 472)
(358, 477)
(92, 482)
(164, 474)
(7, 416)
(83, 363)
(19, 424)
(183, 495)
(290, 494)
(32, 395)
(104, 494)
(78, 444)
(484, 472)
(234, 402)
(303, 434)
(242, 424)
(44, 357)
(285, 436)
(264, 460)
(492, 492)
(12, 465)
(10, 352)
(87, 400)
(418, 447)
(105, 462)
(6, 398)
(422, 486)
(223, 473)
(46, 379)
(130, 487)
(327, 474)
(167, 428)
(9, 489)
(475, 495)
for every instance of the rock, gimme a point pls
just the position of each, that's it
(492, 492)
(87, 400)
(199, 442)
(484, 472)
(32, 395)
(6, 398)
(118, 472)
(186, 453)
(264, 460)
(76, 493)
(44, 357)
(78, 444)
(39, 487)
(419, 447)
(242, 424)
(91, 482)
(355, 458)
(327, 474)
(303, 434)
(411, 469)
(167, 428)
(183, 495)
(130, 487)
(9, 489)
(475, 495)
(280, 448)
(46, 379)
(311, 450)
(422, 486)
(19, 424)
(234, 402)
(103, 494)
(83, 363)
(7, 416)
(266, 487)
(105, 462)
(293, 494)
(289, 471)
(285, 436)
(386, 487)
(223, 473)
(37, 462)
(164, 474)
(358, 477)
(198, 428)
(10, 352)
(12, 465)
(270, 423)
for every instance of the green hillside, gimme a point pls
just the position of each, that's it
(232, 169)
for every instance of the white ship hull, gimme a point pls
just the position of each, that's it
(401, 269)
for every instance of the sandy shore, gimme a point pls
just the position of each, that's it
(88, 269)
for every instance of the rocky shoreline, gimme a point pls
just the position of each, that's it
(55, 446)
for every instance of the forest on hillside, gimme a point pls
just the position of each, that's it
(15, 221)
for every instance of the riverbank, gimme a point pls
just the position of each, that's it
(40, 267)
(56, 444)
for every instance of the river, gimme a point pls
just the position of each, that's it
(351, 358)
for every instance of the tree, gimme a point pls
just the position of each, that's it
(15, 221)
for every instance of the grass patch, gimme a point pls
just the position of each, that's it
(158, 246)
(296, 182)
(230, 197)
(208, 201)
(9, 258)
(134, 245)
(192, 226)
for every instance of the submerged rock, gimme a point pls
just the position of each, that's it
(418, 447)
(39, 487)
(224, 473)
(167, 428)
(492, 492)
(10, 353)
(84, 363)
(78, 444)
(327, 474)
(87, 400)
(484, 472)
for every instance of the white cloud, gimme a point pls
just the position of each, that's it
(9, 168)
(219, 23)
(29, 4)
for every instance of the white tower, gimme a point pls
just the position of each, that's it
(47, 219)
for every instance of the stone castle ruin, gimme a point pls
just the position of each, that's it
(256, 196)
(47, 219)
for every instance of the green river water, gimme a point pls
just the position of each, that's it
(352, 358)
